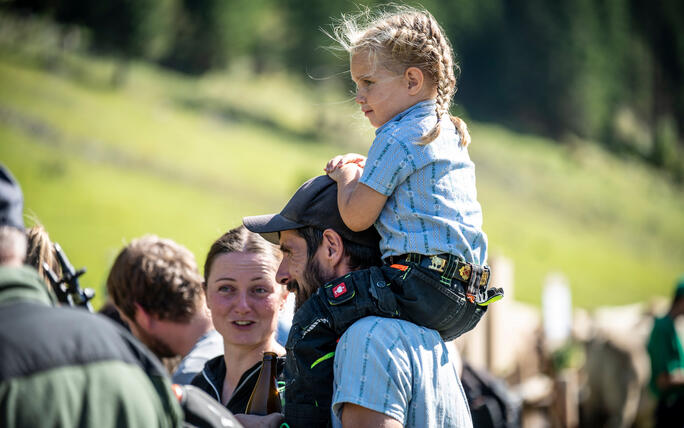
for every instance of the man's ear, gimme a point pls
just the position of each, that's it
(332, 247)
(415, 80)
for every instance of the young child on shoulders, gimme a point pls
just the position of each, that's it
(417, 186)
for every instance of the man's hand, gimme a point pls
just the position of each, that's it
(254, 421)
(341, 160)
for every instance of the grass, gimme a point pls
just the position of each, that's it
(187, 158)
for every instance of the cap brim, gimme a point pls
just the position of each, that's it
(268, 226)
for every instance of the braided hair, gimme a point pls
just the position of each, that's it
(405, 37)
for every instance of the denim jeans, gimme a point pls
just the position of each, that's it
(411, 292)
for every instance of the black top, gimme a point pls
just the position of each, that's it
(211, 378)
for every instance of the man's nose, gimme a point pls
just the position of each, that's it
(283, 274)
(360, 99)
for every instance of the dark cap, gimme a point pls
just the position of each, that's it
(314, 204)
(11, 201)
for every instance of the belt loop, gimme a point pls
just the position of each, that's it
(451, 266)
(447, 274)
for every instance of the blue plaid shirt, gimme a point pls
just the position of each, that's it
(432, 203)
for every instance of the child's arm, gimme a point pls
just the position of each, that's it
(359, 205)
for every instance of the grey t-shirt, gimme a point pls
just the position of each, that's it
(207, 347)
(399, 369)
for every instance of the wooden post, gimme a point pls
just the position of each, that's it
(499, 357)
(567, 404)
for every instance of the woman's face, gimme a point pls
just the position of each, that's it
(244, 298)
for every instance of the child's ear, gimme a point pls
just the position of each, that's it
(415, 79)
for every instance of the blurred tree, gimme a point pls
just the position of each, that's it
(306, 42)
(122, 28)
(661, 26)
(199, 36)
(207, 34)
(137, 28)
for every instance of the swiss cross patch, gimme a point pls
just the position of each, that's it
(339, 290)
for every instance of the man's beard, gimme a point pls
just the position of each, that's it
(314, 276)
(155, 344)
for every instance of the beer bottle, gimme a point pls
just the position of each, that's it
(265, 398)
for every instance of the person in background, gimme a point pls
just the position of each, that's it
(62, 366)
(667, 362)
(245, 300)
(155, 285)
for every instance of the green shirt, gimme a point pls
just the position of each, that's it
(665, 350)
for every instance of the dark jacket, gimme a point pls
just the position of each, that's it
(67, 367)
(211, 378)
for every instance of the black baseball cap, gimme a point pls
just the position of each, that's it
(313, 204)
(11, 201)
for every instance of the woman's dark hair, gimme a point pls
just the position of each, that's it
(360, 256)
(240, 240)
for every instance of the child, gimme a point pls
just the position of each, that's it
(417, 186)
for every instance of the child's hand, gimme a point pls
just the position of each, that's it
(346, 172)
(340, 160)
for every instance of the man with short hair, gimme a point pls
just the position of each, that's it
(64, 366)
(156, 287)
(387, 372)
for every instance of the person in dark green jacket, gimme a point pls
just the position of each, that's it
(667, 362)
(66, 367)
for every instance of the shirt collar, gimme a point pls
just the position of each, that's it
(422, 108)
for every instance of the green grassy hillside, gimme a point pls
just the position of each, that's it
(187, 158)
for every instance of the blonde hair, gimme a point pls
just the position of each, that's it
(403, 37)
(41, 250)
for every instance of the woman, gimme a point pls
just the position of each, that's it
(244, 299)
